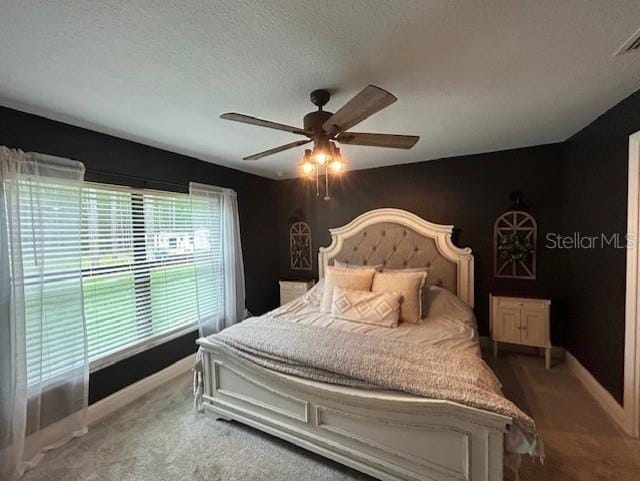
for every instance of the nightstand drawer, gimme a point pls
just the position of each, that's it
(301, 287)
(519, 303)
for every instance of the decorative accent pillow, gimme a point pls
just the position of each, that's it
(410, 285)
(381, 309)
(347, 265)
(425, 289)
(359, 279)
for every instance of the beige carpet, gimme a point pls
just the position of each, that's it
(581, 442)
(160, 438)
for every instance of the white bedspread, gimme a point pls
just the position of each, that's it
(450, 323)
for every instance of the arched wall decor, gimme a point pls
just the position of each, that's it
(300, 246)
(515, 235)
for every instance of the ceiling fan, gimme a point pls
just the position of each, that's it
(324, 129)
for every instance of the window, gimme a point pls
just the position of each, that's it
(47, 231)
(139, 255)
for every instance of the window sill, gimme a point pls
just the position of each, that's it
(145, 344)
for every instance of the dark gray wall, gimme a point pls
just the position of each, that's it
(595, 202)
(469, 192)
(114, 160)
(577, 186)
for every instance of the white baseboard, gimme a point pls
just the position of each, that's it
(600, 394)
(119, 399)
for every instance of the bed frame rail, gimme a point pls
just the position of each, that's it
(391, 436)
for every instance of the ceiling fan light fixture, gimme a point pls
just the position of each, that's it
(307, 167)
(337, 165)
(321, 156)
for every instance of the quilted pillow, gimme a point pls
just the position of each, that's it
(410, 285)
(359, 279)
(381, 309)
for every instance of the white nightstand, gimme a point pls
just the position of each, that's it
(521, 320)
(290, 290)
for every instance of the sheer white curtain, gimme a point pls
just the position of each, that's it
(43, 399)
(218, 257)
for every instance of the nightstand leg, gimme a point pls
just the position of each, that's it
(547, 358)
(495, 349)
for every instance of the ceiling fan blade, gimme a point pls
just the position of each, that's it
(370, 100)
(378, 140)
(275, 150)
(247, 119)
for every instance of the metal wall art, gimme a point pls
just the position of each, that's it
(300, 246)
(515, 235)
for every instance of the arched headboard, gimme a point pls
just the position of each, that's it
(400, 239)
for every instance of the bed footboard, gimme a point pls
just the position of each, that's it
(391, 436)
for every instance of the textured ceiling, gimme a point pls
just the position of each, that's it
(470, 76)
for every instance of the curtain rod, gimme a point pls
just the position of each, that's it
(144, 180)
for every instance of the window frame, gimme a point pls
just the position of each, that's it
(138, 225)
(139, 228)
(110, 358)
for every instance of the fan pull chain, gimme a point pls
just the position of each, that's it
(326, 182)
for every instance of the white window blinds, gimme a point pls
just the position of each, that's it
(139, 269)
(48, 216)
(139, 253)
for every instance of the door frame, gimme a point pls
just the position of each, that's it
(631, 400)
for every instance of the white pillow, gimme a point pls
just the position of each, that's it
(359, 279)
(410, 285)
(381, 309)
(425, 289)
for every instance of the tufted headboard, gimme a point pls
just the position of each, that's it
(399, 239)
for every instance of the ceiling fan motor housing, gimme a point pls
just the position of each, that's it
(313, 121)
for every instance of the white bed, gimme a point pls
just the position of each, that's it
(387, 434)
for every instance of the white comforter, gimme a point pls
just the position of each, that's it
(449, 323)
